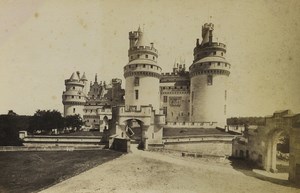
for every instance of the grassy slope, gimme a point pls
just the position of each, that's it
(32, 171)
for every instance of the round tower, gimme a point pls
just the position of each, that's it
(209, 75)
(74, 97)
(142, 73)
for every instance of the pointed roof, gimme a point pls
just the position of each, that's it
(73, 77)
(83, 77)
(141, 39)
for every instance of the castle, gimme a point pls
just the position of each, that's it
(152, 98)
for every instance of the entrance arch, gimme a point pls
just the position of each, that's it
(261, 142)
(271, 149)
(134, 129)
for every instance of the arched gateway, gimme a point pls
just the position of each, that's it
(259, 143)
(141, 125)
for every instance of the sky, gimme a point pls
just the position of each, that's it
(43, 42)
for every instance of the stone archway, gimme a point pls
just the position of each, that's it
(271, 149)
(136, 131)
(261, 142)
(282, 121)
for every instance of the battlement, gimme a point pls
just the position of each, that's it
(74, 82)
(211, 45)
(143, 48)
(133, 33)
(192, 124)
(175, 88)
(171, 74)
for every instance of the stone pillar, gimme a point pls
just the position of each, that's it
(294, 163)
(22, 134)
(273, 155)
(268, 156)
(146, 143)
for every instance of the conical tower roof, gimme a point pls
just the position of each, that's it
(83, 77)
(73, 77)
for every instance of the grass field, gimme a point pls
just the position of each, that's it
(33, 171)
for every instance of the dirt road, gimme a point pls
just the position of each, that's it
(152, 172)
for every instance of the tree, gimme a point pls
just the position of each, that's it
(10, 125)
(73, 121)
(46, 121)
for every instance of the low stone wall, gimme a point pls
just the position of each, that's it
(208, 148)
(43, 140)
(211, 145)
(49, 148)
(192, 124)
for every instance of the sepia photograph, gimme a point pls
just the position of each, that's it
(150, 96)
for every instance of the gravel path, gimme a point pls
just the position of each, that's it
(152, 172)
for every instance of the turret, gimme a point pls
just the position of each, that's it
(84, 80)
(74, 96)
(209, 75)
(142, 73)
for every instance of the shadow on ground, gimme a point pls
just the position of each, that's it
(251, 169)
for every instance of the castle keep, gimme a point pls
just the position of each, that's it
(152, 99)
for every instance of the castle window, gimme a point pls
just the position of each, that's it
(136, 81)
(153, 57)
(165, 99)
(91, 110)
(131, 57)
(146, 56)
(215, 53)
(72, 97)
(136, 94)
(221, 53)
(94, 120)
(138, 56)
(218, 63)
(165, 110)
(79, 97)
(144, 65)
(74, 110)
(151, 66)
(209, 79)
(73, 87)
(225, 94)
(225, 65)
(136, 65)
(224, 109)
